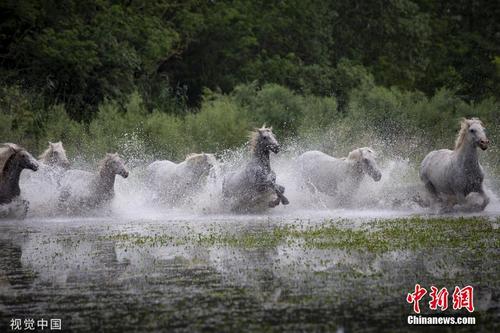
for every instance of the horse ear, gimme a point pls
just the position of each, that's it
(12, 146)
(51, 143)
(263, 126)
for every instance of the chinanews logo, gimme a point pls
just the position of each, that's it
(462, 298)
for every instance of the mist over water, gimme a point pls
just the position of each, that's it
(394, 195)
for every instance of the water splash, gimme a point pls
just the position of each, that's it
(398, 193)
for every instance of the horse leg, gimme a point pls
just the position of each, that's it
(478, 205)
(18, 209)
(432, 190)
(24, 207)
(435, 199)
(486, 199)
(280, 190)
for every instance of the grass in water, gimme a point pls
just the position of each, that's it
(376, 236)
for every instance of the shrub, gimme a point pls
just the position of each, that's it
(220, 124)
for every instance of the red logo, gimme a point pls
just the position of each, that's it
(462, 298)
(416, 297)
(439, 299)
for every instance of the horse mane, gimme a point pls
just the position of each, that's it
(357, 153)
(46, 154)
(464, 126)
(354, 155)
(199, 160)
(194, 156)
(7, 150)
(255, 134)
(104, 162)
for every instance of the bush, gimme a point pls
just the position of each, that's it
(59, 127)
(401, 123)
(221, 124)
(167, 135)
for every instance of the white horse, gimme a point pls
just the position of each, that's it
(338, 177)
(13, 160)
(55, 156)
(254, 187)
(83, 190)
(176, 182)
(451, 176)
(53, 164)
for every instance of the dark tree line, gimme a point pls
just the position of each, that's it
(80, 53)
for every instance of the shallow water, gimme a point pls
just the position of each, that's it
(142, 266)
(150, 273)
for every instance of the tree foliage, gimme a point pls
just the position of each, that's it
(192, 75)
(82, 52)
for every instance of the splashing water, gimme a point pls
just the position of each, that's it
(396, 194)
(144, 254)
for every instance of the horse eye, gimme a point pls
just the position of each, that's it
(472, 130)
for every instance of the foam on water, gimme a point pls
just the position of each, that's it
(393, 196)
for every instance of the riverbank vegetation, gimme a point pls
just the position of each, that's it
(185, 76)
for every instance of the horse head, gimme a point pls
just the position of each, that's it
(473, 131)
(366, 158)
(55, 155)
(263, 140)
(26, 161)
(14, 153)
(114, 165)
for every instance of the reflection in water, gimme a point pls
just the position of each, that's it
(93, 281)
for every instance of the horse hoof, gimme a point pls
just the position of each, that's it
(285, 201)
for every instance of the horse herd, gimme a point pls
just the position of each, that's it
(450, 177)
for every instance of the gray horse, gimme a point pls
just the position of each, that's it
(451, 175)
(254, 188)
(83, 190)
(338, 177)
(13, 160)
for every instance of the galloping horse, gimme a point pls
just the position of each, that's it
(55, 156)
(254, 188)
(176, 182)
(13, 160)
(451, 175)
(83, 190)
(338, 177)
